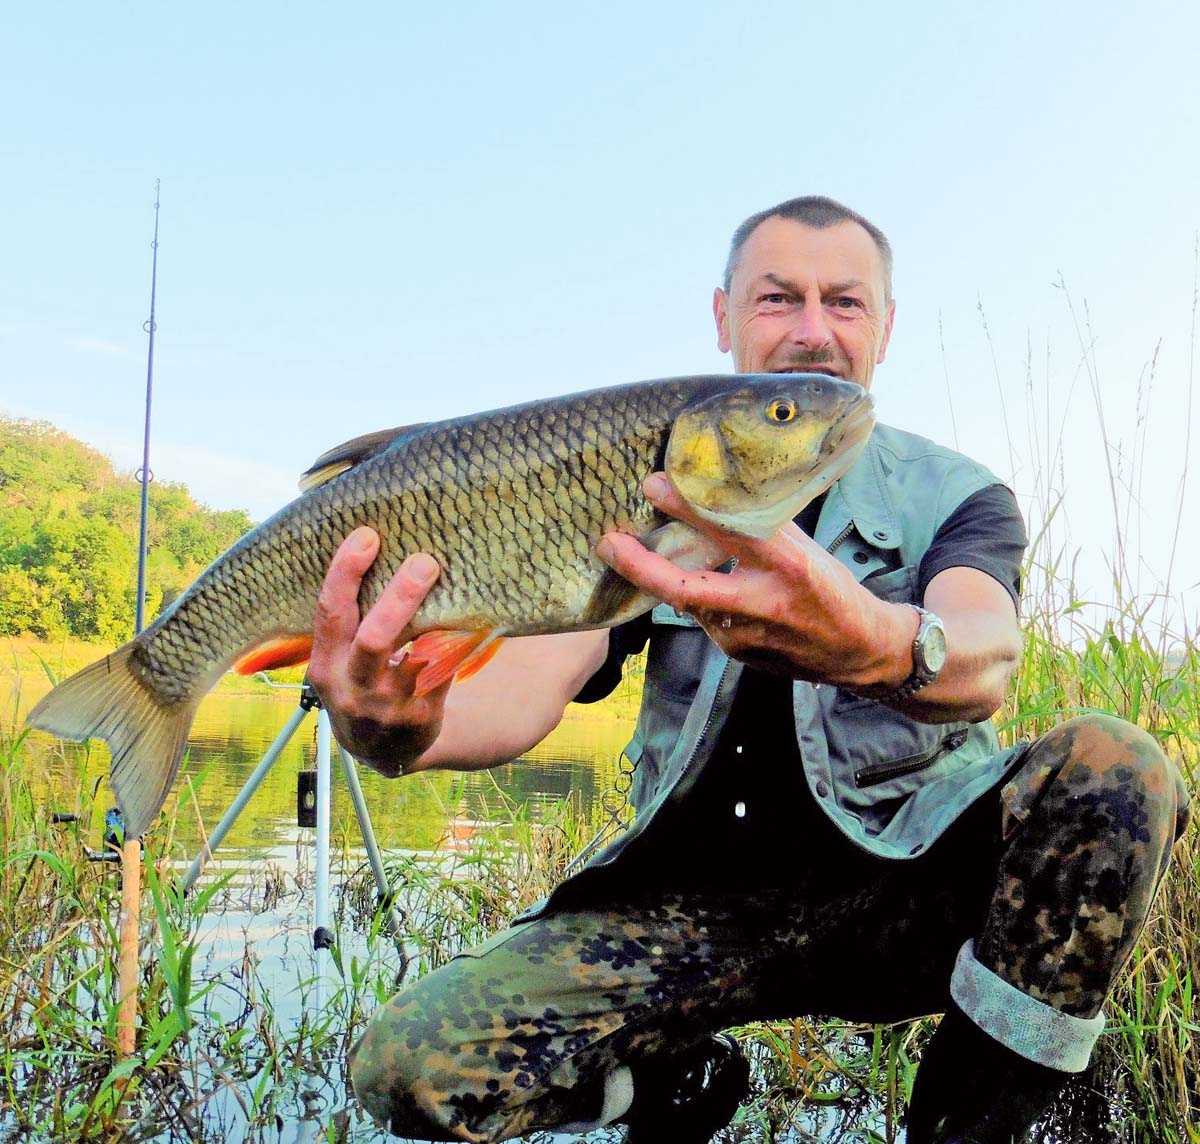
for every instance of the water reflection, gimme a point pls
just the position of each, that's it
(425, 812)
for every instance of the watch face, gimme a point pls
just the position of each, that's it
(933, 647)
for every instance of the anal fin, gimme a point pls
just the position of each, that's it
(451, 654)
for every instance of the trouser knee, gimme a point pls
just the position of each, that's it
(1108, 775)
(1090, 818)
(508, 1037)
(385, 1075)
(415, 1069)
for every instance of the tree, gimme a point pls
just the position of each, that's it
(68, 537)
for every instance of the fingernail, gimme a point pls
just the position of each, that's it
(361, 539)
(421, 569)
(656, 486)
(604, 550)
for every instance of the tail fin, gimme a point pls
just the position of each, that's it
(146, 737)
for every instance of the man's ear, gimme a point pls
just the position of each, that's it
(887, 332)
(721, 315)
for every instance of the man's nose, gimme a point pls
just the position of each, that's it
(811, 328)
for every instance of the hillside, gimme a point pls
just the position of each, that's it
(69, 534)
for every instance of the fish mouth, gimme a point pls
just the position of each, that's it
(854, 425)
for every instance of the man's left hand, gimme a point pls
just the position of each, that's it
(788, 606)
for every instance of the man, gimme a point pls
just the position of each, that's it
(826, 823)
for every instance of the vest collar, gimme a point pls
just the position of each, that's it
(860, 497)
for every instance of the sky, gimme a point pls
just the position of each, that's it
(375, 215)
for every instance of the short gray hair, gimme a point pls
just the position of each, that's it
(818, 212)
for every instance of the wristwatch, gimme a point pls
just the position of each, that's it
(929, 656)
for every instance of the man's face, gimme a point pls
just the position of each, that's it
(803, 299)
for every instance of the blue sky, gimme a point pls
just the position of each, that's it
(374, 215)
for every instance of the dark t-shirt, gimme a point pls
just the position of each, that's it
(750, 816)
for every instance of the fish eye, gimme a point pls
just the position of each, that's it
(781, 410)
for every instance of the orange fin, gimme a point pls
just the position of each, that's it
(283, 651)
(480, 659)
(449, 654)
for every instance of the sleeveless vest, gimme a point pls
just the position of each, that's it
(891, 784)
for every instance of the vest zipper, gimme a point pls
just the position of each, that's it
(840, 538)
(882, 772)
(695, 750)
(709, 720)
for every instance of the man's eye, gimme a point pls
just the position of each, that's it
(774, 299)
(847, 303)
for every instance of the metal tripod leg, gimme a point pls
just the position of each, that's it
(392, 919)
(244, 795)
(323, 936)
(322, 931)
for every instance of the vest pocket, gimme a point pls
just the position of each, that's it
(899, 586)
(897, 768)
(675, 659)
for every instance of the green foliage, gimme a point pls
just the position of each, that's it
(68, 538)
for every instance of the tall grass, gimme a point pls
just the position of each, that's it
(218, 1058)
(214, 1062)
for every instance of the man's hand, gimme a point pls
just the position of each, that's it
(371, 705)
(788, 606)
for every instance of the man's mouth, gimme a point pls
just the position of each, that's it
(827, 370)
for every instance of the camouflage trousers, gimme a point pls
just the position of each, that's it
(1052, 874)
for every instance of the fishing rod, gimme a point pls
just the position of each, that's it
(131, 848)
(144, 475)
(114, 832)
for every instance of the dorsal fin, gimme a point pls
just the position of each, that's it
(350, 453)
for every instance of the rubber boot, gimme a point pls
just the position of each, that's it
(971, 1089)
(686, 1099)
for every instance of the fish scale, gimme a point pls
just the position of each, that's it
(510, 503)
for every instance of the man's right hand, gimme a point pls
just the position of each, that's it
(371, 705)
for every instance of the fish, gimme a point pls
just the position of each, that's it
(510, 502)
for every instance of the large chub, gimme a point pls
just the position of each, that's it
(511, 504)
(146, 736)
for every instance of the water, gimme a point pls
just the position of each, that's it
(427, 812)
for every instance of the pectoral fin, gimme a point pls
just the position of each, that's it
(285, 651)
(681, 544)
(616, 600)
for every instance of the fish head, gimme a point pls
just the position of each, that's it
(750, 458)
